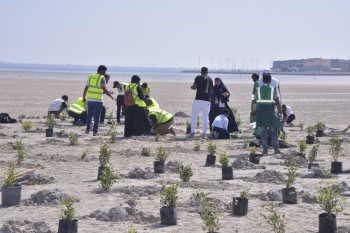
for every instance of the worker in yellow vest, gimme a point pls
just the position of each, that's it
(146, 89)
(94, 90)
(136, 121)
(161, 121)
(151, 103)
(78, 111)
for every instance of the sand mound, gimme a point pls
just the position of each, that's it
(53, 141)
(32, 179)
(181, 114)
(141, 173)
(46, 197)
(19, 226)
(269, 176)
(242, 163)
(172, 167)
(191, 205)
(140, 191)
(207, 185)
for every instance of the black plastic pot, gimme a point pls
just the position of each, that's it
(240, 206)
(210, 160)
(254, 158)
(289, 196)
(65, 226)
(319, 133)
(310, 165)
(159, 166)
(310, 139)
(100, 170)
(336, 167)
(11, 196)
(327, 223)
(49, 132)
(227, 173)
(188, 130)
(168, 215)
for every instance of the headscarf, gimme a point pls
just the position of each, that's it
(135, 79)
(218, 90)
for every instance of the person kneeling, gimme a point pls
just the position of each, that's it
(161, 121)
(288, 116)
(220, 125)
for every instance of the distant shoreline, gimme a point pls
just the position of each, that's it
(275, 73)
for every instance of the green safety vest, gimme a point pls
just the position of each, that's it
(154, 104)
(78, 106)
(161, 115)
(95, 90)
(265, 95)
(135, 94)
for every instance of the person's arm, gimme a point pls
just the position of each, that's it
(195, 84)
(104, 88)
(226, 124)
(278, 105)
(84, 94)
(344, 131)
(154, 122)
(140, 93)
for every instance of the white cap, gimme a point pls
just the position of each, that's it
(266, 71)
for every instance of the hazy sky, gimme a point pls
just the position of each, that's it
(169, 33)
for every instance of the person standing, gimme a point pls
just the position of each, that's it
(58, 105)
(203, 85)
(274, 83)
(266, 98)
(120, 98)
(288, 115)
(136, 121)
(219, 101)
(220, 125)
(94, 90)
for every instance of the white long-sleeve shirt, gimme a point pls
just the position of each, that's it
(220, 121)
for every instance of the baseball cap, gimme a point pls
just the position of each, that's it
(64, 97)
(115, 84)
(266, 71)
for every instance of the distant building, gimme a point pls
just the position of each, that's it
(312, 65)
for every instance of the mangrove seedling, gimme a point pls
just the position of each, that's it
(198, 122)
(223, 159)
(208, 214)
(132, 229)
(169, 197)
(329, 198)
(110, 116)
(283, 136)
(273, 218)
(245, 142)
(309, 131)
(320, 125)
(50, 122)
(108, 177)
(21, 153)
(9, 176)
(67, 208)
(234, 109)
(20, 120)
(234, 135)
(17, 145)
(238, 120)
(63, 116)
(188, 123)
(73, 138)
(85, 153)
(112, 132)
(27, 125)
(302, 146)
(245, 194)
(185, 172)
(291, 174)
(146, 152)
(158, 138)
(253, 150)
(301, 126)
(197, 147)
(313, 153)
(162, 154)
(211, 148)
(335, 148)
(105, 154)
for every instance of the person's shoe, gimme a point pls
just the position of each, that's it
(191, 135)
(79, 123)
(203, 136)
(87, 131)
(291, 124)
(95, 134)
(277, 152)
(264, 153)
(172, 131)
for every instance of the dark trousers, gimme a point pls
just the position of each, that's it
(56, 113)
(120, 106)
(103, 114)
(82, 117)
(223, 133)
(290, 118)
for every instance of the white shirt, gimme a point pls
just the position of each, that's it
(220, 121)
(55, 105)
(288, 111)
(121, 90)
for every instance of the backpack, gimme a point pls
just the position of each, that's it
(129, 100)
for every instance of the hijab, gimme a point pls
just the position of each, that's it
(218, 90)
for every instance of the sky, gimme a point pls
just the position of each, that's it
(173, 33)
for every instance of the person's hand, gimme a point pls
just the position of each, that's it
(216, 102)
(111, 92)
(84, 100)
(191, 87)
(225, 94)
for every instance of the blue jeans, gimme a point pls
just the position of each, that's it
(94, 109)
(274, 138)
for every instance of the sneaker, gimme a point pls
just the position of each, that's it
(265, 153)
(95, 134)
(79, 123)
(87, 131)
(291, 125)
(203, 136)
(172, 131)
(191, 135)
(277, 152)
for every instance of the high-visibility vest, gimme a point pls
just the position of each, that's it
(161, 115)
(78, 107)
(154, 104)
(95, 90)
(146, 91)
(265, 95)
(135, 94)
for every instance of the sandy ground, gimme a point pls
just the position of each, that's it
(54, 157)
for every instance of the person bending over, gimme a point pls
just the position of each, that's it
(58, 105)
(288, 115)
(220, 125)
(161, 121)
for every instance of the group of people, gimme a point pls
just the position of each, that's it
(142, 117)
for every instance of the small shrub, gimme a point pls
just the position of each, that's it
(21, 153)
(157, 138)
(27, 125)
(245, 142)
(67, 209)
(234, 135)
(208, 214)
(309, 131)
(283, 136)
(185, 172)
(169, 197)
(329, 198)
(291, 174)
(223, 159)
(132, 229)
(273, 218)
(197, 147)
(20, 120)
(14, 135)
(110, 116)
(188, 123)
(211, 148)
(335, 148)
(113, 135)
(9, 176)
(73, 138)
(313, 153)
(105, 154)
(245, 194)
(234, 109)
(301, 126)
(85, 153)
(253, 150)
(320, 125)
(63, 116)
(146, 152)
(17, 145)
(108, 177)
(198, 122)
(50, 122)
(162, 154)
(302, 146)
(238, 120)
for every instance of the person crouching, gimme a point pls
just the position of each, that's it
(220, 125)
(161, 121)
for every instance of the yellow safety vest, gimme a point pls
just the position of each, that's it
(161, 115)
(95, 90)
(265, 95)
(146, 91)
(78, 107)
(154, 104)
(135, 94)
